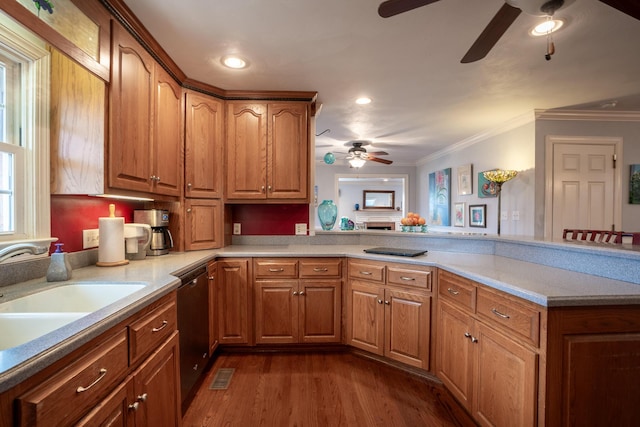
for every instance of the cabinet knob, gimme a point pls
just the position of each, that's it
(189, 210)
(387, 302)
(262, 188)
(157, 179)
(195, 367)
(295, 293)
(142, 397)
(134, 406)
(467, 335)
(152, 177)
(270, 190)
(301, 293)
(212, 277)
(189, 186)
(379, 301)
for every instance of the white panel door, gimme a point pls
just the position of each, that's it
(583, 187)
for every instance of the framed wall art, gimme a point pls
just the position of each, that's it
(458, 214)
(478, 216)
(486, 188)
(440, 197)
(465, 180)
(634, 185)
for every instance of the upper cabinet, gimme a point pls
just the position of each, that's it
(267, 150)
(145, 144)
(204, 165)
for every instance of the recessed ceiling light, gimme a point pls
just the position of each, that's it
(363, 101)
(547, 27)
(234, 62)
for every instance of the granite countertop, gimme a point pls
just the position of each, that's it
(546, 286)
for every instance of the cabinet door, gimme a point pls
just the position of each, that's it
(114, 411)
(204, 165)
(276, 311)
(320, 310)
(212, 268)
(408, 327)
(233, 301)
(167, 133)
(157, 387)
(287, 153)
(505, 373)
(131, 106)
(204, 226)
(366, 318)
(454, 361)
(246, 148)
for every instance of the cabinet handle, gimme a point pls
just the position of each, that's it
(302, 293)
(152, 178)
(157, 179)
(408, 279)
(387, 302)
(471, 337)
(189, 186)
(262, 188)
(366, 273)
(295, 293)
(379, 301)
(276, 270)
(211, 277)
(195, 367)
(452, 291)
(318, 269)
(270, 189)
(189, 210)
(164, 325)
(474, 340)
(142, 397)
(134, 406)
(467, 335)
(497, 313)
(81, 389)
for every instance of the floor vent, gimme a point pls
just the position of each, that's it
(222, 379)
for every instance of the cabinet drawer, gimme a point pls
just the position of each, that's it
(320, 268)
(148, 332)
(269, 268)
(517, 318)
(457, 290)
(66, 396)
(406, 277)
(367, 271)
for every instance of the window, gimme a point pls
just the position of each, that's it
(24, 135)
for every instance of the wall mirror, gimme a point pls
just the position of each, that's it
(378, 199)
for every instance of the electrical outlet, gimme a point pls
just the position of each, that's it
(504, 216)
(90, 238)
(301, 229)
(515, 215)
(237, 228)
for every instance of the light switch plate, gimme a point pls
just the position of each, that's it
(237, 228)
(515, 215)
(301, 229)
(504, 216)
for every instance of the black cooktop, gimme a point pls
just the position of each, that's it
(396, 251)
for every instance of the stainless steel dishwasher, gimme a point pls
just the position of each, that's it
(193, 324)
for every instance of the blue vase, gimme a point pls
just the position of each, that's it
(327, 213)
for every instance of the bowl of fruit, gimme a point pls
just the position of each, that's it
(413, 222)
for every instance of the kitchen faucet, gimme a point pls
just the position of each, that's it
(21, 248)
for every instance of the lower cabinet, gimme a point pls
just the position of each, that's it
(389, 311)
(493, 376)
(234, 301)
(147, 397)
(129, 376)
(298, 300)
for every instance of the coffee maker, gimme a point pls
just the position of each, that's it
(158, 219)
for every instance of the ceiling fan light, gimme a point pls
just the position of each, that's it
(547, 27)
(356, 162)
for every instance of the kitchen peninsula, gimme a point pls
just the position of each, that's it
(550, 298)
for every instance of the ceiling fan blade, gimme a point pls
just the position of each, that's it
(630, 7)
(376, 159)
(378, 153)
(393, 7)
(492, 33)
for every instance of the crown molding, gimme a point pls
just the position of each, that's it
(514, 123)
(588, 115)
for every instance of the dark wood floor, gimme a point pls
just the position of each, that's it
(320, 389)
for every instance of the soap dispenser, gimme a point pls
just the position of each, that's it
(59, 268)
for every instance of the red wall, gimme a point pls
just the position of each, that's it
(72, 214)
(270, 220)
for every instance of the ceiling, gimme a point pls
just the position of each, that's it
(424, 99)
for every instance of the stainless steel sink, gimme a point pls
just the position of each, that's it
(32, 316)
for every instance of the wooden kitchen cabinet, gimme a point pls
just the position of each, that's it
(204, 163)
(127, 376)
(204, 224)
(146, 110)
(234, 301)
(487, 353)
(389, 310)
(267, 150)
(298, 300)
